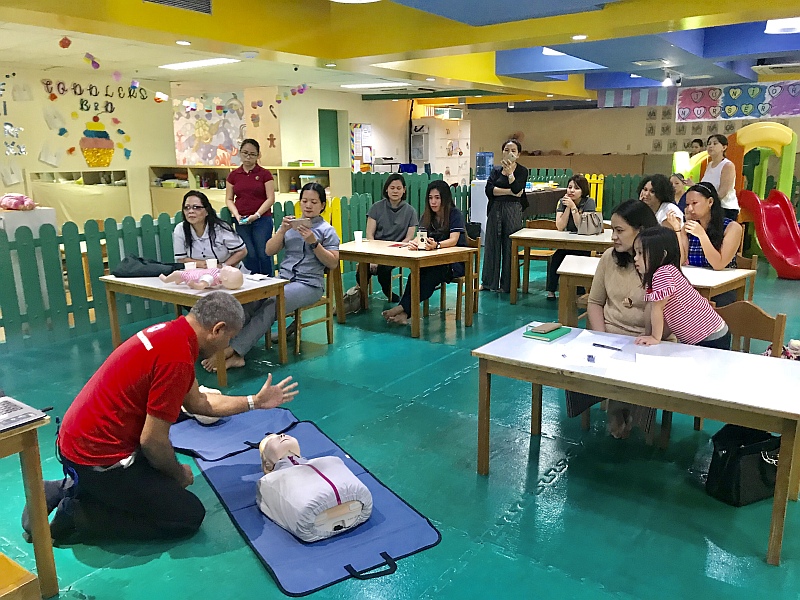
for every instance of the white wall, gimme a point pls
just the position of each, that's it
(300, 123)
(594, 131)
(149, 125)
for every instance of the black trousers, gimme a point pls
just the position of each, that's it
(429, 278)
(384, 279)
(555, 263)
(723, 343)
(138, 502)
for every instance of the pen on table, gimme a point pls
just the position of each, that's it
(596, 345)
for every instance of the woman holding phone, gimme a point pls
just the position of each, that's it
(311, 245)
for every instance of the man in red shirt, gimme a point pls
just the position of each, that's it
(114, 439)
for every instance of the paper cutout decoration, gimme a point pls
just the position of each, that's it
(235, 105)
(53, 97)
(14, 149)
(62, 131)
(96, 146)
(134, 84)
(21, 92)
(255, 119)
(127, 153)
(2, 88)
(116, 75)
(71, 150)
(256, 104)
(10, 173)
(65, 42)
(160, 97)
(54, 119)
(49, 156)
(88, 58)
(115, 120)
(10, 131)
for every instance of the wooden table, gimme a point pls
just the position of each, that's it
(578, 271)
(385, 253)
(152, 288)
(717, 391)
(555, 240)
(24, 441)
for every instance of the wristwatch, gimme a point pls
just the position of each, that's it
(438, 245)
(314, 245)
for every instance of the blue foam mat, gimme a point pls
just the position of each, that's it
(230, 435)
(393, 531)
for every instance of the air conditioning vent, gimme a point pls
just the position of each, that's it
(200, 6)
(777, 69)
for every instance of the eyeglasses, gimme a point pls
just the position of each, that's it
(249, 154)
(189, 208)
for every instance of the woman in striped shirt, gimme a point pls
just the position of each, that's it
(670, 298)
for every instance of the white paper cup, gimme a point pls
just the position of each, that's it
(190, 265)
(211, 263)
(359, 236)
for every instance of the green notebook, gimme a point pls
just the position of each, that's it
(547, 337)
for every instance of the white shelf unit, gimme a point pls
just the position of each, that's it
(209, 179)
(445, 144)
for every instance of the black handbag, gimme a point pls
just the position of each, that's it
(744, 465)
(136, 266)
(473, 229)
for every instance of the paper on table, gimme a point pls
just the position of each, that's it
(577, 351)
(658, 367)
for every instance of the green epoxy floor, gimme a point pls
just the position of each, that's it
(572, 514)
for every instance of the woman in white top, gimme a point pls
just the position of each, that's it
(721, 173)
(656, 191)
(202, 235)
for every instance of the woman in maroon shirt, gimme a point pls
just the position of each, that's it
(249, 195)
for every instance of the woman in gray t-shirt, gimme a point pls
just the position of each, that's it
(392, 219)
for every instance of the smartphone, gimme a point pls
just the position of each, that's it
(301, 222)
(545, 327)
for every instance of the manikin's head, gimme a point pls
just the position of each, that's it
(231, 278)
(274, 447)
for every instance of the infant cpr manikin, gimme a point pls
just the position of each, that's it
(312, 499)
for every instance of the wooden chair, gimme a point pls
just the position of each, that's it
(460, 281)
(535, 253)
(327, 300)
(748, 263)
(744, 320)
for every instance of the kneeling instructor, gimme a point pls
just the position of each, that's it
(114, 440)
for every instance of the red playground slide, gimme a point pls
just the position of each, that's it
(777, 230)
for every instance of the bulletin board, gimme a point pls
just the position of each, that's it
(360, 147)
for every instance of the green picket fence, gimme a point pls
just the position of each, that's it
(560, 176)
(617, 189)
(51, 288)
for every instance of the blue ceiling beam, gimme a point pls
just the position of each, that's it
(478, 12)
(692, 41)
(607, 81)
(747, 39)
(531, 62)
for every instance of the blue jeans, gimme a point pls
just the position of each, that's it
(255, 237)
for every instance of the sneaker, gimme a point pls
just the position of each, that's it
(55, 490)
(551, 296)
(291, 330)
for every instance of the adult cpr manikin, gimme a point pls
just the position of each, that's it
(312, 499)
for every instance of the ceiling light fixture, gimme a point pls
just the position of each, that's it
(667, 80)
(430, 79)
(197, 64)
(510, 105)
(479, 96)
(783, 26)
(579, 38)
(635, 76)
(549, 95)
(331, 64)
(395, 100)
(528, 100)
(374, 86)
(249, 53)
(183, 43)
(550, 52)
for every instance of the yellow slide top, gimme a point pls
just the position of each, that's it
(765, 135)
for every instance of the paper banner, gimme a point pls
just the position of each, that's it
(742, 101)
